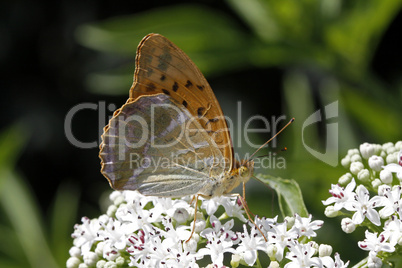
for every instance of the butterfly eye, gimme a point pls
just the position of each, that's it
(244, 171)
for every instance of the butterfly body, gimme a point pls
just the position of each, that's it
(170, 138)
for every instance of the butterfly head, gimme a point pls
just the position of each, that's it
(244, 170)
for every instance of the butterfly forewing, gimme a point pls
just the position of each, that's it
(161, 67)
(157, 147)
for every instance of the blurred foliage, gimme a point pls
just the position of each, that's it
(323, 47)
(27, 240)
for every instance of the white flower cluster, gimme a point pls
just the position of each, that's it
(143, 231)
(371, 197)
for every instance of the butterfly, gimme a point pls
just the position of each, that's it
(170, 139)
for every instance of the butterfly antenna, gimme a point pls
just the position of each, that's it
(291, 121)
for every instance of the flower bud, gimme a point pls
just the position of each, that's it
(235, 262)
(386, 176)
(347, 225)
(387, 145)
(355, 167)
(355, 158)
(324, 250)
(367, 150)
(376, 162)
(363, 175)
(392, 158)
(345, 162)
(376, 183)
(345, 179)
(274, 264)
(181, 215)
(90, 258)
(330, 212)
(73, 262)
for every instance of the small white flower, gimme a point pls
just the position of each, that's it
(86, 234)
(216, 247)
(367, 150)
(228, 202)
(376, 244)
(339, 263)
(280, 236)
(301, 255)
(115, 233)
(347, 225)
(364, 206)
(376, 162)
(250, 244)
(373, 261)
(391, 201)
(220, 230)
(340, 195)
(355, 167)
(305, 227)
(394, 227)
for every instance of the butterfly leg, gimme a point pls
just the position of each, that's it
(243, 202)
(195, 215)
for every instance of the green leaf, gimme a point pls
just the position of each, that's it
(289, 195)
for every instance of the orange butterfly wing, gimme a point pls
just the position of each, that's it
(162, 67)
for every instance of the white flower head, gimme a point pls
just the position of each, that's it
(364, 206)
(216, 247)
(340, 195)
(304, 226)
(86, 234)
(249, 245)
(391, 200)
(302, 255)
(376, 243)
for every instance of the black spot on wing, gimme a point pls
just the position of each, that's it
(212, 120)
(201, 87)
(165, 91)
(185, 103)
(175, 87)
(189, 84)
(163, 77)
(200, 111)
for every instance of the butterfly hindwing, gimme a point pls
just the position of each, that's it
(156, 146)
